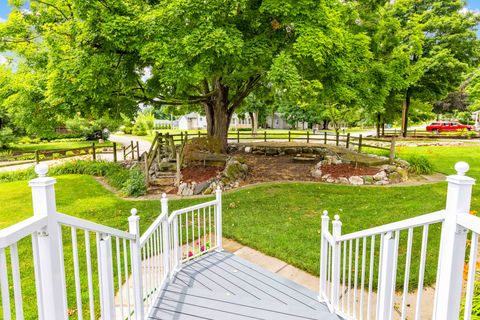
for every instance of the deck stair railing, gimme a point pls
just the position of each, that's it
(352, 265)
(84, 270)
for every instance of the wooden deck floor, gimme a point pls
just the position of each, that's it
(223, 286)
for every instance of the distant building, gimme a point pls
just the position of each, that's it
(476, 118)
(192, 121)
(280, 122)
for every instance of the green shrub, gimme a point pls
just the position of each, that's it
(135, 184)
(128, 130)
(128, 182)
(420, 165)
(6, 138)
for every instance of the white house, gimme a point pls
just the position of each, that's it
(192, 121)
(476, 118)
(280, 122)
(240, 123)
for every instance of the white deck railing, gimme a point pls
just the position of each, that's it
(109, 272)
(348, 262)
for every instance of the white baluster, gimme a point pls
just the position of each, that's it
(218, 194)
(452, 245)
(385, 299)
(323, 256)
(107, 291)
(51, 266)
(337, 232)
(165, 236)
(135, 251)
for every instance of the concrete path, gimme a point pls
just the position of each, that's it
(143, 145)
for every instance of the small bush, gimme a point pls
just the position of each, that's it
(420, 165)
(135, 184)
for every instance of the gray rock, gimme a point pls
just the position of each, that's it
(201, 187)
(382, 182)
(271, 151)
(380, 176)
(395, 177)
(330, 180)
(403, 173)
(388, 168)
(356, 180)
(290, 151)
(326, 177)
(368, 179)
(317, 173)
(248, 149)
(343, 180)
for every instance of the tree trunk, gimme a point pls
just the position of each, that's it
(273, 120)
(379, 119)
(254, 119)
(406, 107)
(383, 129)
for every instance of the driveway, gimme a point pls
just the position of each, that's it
(143, 145)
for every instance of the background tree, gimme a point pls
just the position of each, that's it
(431, 44)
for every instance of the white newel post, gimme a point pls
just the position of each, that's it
(51, 265)
(107, 291)
(452, 245)
(135, 252)
(165, 236)
(336, 232)
(386, 283)
(218, 194)
(323, 255)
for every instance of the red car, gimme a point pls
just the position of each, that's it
(448, 126)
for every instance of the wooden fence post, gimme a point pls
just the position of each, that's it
(348, 140)
(415, 133)
(238, 136)
(37, 157)
(265, 136)
(138, 152)
(147, 173)
(392, 150)
(360, 143)
(136, 258)
(325, 137)
(181, 137)
(289, 136)
(199, 133)
(308, 136)
(186, 136)
(114, 152)
(132, 148)
(124, 152)
(94, 155)
(337, 139)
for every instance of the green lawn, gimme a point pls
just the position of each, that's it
(281, 220)
(56, 145)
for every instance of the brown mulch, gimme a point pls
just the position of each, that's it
(199, 173)
(283, 168)
(348, 170)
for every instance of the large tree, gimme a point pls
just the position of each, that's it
(431, 44)
(207, 53)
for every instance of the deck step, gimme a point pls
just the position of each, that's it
(220, 285)
(177, 303)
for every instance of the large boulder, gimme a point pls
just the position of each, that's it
(356, 180)
(380, 176)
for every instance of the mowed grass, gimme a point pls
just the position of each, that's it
(281, 220)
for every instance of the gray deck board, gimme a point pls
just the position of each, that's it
(225, 287)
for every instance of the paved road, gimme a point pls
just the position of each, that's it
(143, 145)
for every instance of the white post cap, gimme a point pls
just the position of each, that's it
(42, 180)
(41, 170)
(460, 178)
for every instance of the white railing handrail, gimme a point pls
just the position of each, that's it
(429, 218)
(18, 231)
(189, 209)
(469, 222)
(155, 225)
(93, 227)
(329, 237)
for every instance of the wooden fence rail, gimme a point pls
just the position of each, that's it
(43, 155)
(324, 137)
